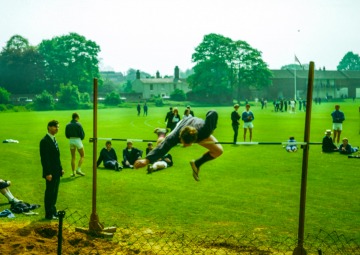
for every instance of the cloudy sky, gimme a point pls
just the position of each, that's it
(157, 35)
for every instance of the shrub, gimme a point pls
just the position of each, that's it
(44, 101)
(178, 95)
(2, 107)
(159, 102)
(69, 97)
(4, 96)
(112, 98)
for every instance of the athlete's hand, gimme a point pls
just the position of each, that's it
(141, 163)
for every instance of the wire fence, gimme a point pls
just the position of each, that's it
(141, 240)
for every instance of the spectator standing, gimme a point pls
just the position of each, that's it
(51, 168)
(235, 117)
(337, 118)
(248, 117)
(145, 109)
(175, 118)
(168, 118)
(138, 108)
(75, 133)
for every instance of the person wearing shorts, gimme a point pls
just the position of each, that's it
(247, 116)
(75, 133)
(188, 131)
(337, 117)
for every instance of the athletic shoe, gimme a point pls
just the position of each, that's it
(4, 184)
(117, 167)
(195, 170)
(80, 173)
(14, 201)
(72, 175)
(149, 169)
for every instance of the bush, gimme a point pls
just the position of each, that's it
(4, 96)
(159, 102)
(178, 95)
(69, 97)
(85, 98)
(112, 98)
(44, 101)
(2, 108)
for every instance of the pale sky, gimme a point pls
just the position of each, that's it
(157, 35)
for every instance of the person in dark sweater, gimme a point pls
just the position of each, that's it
(75, 133)
(327, 142)
(235, 117)
(346, 148)
(109, 157)
(189, 131)
(130, 155)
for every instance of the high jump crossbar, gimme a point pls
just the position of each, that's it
(237, 143)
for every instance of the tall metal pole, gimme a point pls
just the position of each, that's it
(299, 250)
(295, 83)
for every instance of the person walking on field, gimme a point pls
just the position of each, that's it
(337, 118)
(51, 169)
(247, 116)
(168, 118)
(235, 117)
(75, 133)
(187, 132)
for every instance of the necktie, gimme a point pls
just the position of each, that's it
(56, 144)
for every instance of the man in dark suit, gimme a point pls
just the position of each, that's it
(168, 118)
(52, 169)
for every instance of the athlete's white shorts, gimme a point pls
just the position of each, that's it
(337, 126)
(75, 143)
(248, 125)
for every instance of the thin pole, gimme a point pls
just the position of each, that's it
(295, 82)
(299, 250)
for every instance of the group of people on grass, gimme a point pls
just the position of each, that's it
(328, 142)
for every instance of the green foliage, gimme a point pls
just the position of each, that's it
(112, 98)
(69, 96)
(84, 97)
(44, 102)
(4, 96)
(159, 102)
(70, 58)
(224, 67)
(2, 107)
(178, 95)
(350, 61)
(21, 66)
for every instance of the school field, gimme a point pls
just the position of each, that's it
(249, 188)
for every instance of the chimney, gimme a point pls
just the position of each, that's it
(157, 74)
(138, 75)
(176, 73)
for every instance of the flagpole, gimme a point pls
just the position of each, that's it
(295, 81)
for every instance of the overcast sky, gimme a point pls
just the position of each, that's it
(157, 35)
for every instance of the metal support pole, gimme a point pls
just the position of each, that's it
(61, 219)
(299, 250)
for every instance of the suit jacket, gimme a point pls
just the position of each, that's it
(50, 157)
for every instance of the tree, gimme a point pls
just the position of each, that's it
(4, 96)
(350, 61)
(223, 67)
(70, 58)
(20, 66)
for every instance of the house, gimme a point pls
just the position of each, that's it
(162, 87)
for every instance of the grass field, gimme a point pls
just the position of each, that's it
(247, 188)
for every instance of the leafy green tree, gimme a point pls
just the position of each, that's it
(178, 95)
(224, 67)
(44, 102)
(350, 61)
(20, 66)
(112, 98)
(69, 96)
(70, 58)
(4, 96)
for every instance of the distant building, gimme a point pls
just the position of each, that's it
(327, 84)
(163, 87)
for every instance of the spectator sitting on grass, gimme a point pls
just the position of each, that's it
(4, 188)
(345, 147)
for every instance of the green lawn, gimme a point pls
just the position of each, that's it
(247, 188)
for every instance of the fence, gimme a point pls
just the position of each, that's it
(142, 240)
